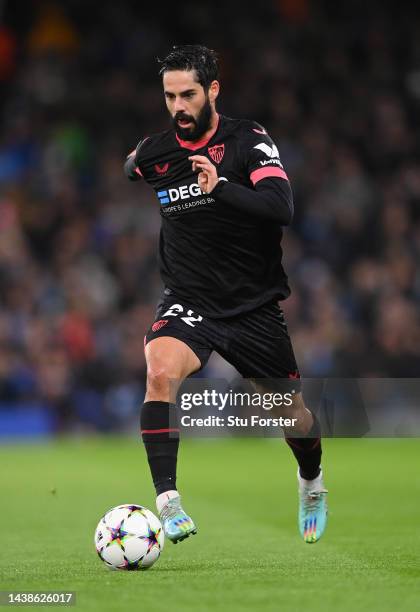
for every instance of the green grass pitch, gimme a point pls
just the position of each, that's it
(247, 554)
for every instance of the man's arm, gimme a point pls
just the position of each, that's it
(132, 165)
(271, 199)
(132, 171)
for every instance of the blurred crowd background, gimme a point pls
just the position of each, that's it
(336, 84)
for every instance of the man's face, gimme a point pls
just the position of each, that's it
(188, 104)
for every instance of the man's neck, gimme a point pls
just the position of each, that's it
(214, 122)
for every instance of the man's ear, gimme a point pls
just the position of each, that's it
(214, 90)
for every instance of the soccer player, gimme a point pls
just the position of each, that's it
(224, 197)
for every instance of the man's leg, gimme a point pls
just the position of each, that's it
(260, 349)
(169, 362)
(304, 439)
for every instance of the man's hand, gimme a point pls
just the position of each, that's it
(207, 177)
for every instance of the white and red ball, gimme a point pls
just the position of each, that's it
(129, 537)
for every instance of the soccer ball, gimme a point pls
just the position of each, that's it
(129, 537)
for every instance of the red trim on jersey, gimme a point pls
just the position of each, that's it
(193, 146)
(138, 171)
(157, 431)
(267, 172)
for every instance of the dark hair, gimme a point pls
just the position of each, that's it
(193, 57)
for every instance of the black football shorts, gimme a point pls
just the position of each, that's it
(256, 343)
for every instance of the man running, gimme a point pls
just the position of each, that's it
(224, 198)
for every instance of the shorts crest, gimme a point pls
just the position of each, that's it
(159, 324)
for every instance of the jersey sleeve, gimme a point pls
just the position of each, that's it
(132, 164)
(261, 155)
(270, 196)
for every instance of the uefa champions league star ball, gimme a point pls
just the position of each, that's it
(129, 537)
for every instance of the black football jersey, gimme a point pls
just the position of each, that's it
(219, 251)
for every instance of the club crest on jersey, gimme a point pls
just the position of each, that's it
(162, 169)
(217, 152)
(159, 324)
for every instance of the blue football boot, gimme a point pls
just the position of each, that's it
(177, 525)
(313, 509)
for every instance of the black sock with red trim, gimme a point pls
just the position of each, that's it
(308, 451)
(160, 434)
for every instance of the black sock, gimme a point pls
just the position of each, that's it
(160, 433)
(308, 451)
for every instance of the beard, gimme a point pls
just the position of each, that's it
(200, 125)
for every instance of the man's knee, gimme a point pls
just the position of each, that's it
(162, 378)
(169, 362)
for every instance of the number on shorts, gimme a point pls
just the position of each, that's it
(170, 313)
(190, 319)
